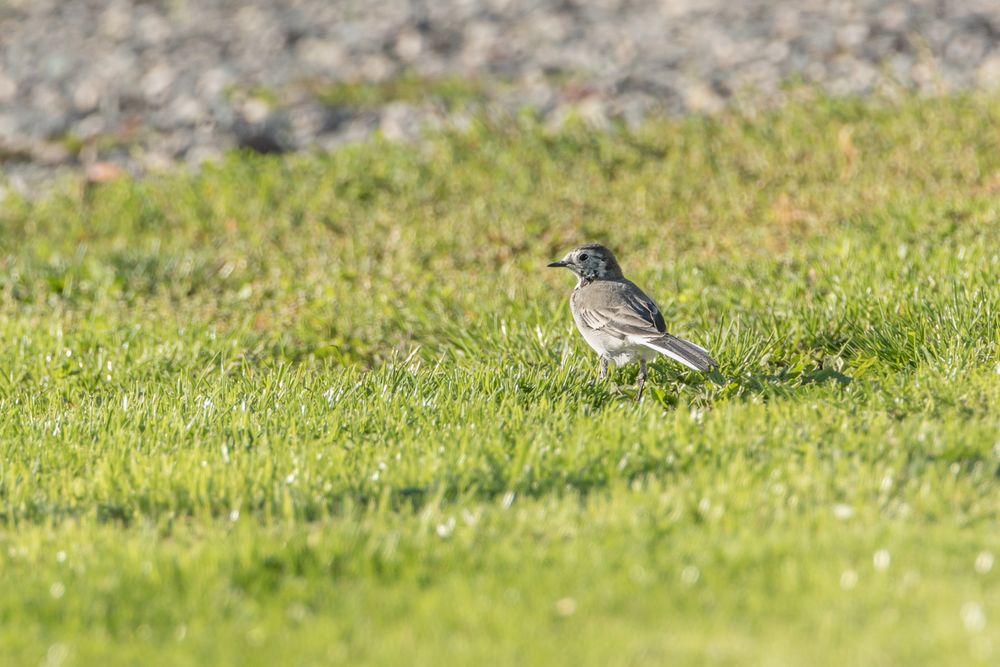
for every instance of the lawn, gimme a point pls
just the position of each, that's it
(332, 409)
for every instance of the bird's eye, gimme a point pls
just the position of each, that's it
(583, 257)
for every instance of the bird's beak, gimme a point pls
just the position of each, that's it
(559, 264)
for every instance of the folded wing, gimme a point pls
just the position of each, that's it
(636, 318)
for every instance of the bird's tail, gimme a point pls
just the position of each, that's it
(691, 355)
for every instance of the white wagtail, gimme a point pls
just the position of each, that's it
(618, 320)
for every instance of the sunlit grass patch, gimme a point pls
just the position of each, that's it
(334, 409)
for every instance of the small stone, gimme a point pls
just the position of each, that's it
(50, 153)
(213, 82)
(89, 127)
(321, 54)
(481, 36)
(255, 110)
(376, 68)
(409, 44)
(964, 48)
(396, 121)
(899, 67)
(852, 35)
(776, 52)
(49, 114)
(187, 109)
(116, 20)
(10, 131)
(157, 81)
(923, 75)
(701, 98)
(894, 17)
(152, 29)
(86, 95)
(8, 89)
(988, 73)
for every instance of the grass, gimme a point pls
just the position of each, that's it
(449, 91)
(332, 409)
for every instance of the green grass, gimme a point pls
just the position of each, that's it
(449, 91)
(333, 409)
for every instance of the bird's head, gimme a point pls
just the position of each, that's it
(591, 262)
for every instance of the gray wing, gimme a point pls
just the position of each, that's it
(623, 310)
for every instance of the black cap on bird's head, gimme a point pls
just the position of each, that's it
(591, 262)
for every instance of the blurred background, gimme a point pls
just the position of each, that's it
(113, 86)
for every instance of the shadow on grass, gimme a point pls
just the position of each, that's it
(715, 387)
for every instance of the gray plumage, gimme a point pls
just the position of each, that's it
(618, 320)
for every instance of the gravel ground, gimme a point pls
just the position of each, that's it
(140, 85)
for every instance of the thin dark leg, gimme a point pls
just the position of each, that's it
(604, 370)
(642, 378)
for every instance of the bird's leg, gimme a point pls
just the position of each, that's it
(642, 379)
(603, 376)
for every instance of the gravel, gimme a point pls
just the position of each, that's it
(107, 86)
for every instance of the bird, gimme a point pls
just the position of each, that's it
(618, 320)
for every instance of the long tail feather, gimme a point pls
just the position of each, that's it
(691, 355)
